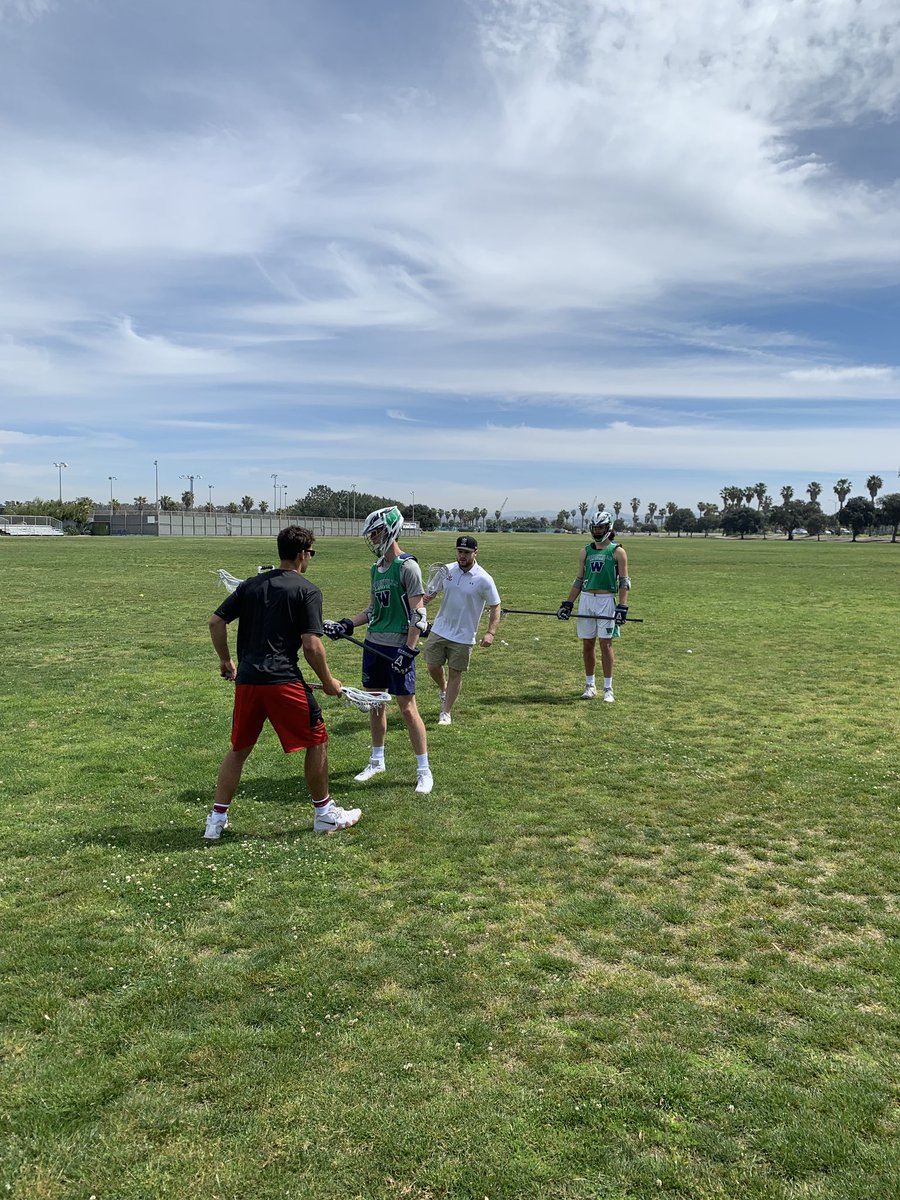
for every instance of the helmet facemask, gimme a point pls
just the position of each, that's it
(381, 530)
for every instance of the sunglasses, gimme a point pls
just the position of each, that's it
(311, 553)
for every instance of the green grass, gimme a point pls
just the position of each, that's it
(621, 952)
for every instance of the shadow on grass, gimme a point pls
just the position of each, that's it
(509, 702)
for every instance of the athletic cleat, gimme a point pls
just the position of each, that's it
(608, 696)
(215, 824)
(589, 692)
(373, 767)
(332, 818)
(444, 719)
(424, 781)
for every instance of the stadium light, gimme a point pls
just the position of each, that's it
(274, 479)
(191, 478)
(111, 478)
(156, 466)
(59, 467)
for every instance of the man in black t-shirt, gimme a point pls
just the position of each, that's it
(279, 613)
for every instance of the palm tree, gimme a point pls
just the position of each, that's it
(454, 512)
(484, 518)
(842, 490)
(874, 484)
(651, 513)
(749, 493)
(246, 503)
(497, 514)
(635, 505)
(814, 491)
(787, 494)
(187, 499)
(263, 506)
(617, 508)
(231, 507)
(140, 503)
(759, 491)
(167, 504)
(582, 508)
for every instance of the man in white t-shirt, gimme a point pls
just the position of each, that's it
(465, 593)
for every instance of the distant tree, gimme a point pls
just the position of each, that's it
(842, 490)
(140, 503)
(889, 511)
(167, 504)
(209, 507)
(787, 494)
(247, 503)
(562, 519)
(483, 517)
(263, 506)
(187, 500)
(232, 507)
(814, 491)
(874, 484)
(617, 508)
(682, 520)
(732, 497)
(671, 507)
(759, 491)
(710, 519)
(790, 516)
(859, 513)
(749, 493)
(815, 521)
(582, 508)
(635, 505)
(651, 513)
(741, 520)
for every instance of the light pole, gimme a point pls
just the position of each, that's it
(191, 479)
(282, 498)
(156, 468)
(353, 494)
(210, 486)
(275, 493)
(414, 507)
(111, 479)
(59, 467)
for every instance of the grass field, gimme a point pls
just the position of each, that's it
(647, 950)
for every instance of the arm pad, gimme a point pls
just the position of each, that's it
(625, 582)
(578, 583)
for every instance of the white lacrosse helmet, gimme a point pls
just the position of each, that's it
(600, 518)
(381, 529)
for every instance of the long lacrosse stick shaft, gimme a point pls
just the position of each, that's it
(530, 612)
(378, 653)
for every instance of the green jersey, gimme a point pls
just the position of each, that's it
(391, 613)
(600, 571)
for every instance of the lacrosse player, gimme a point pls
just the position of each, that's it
(602, 586)
(395, 618)
(465, 589)
(279, 612)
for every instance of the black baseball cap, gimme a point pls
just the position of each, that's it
(466, 543)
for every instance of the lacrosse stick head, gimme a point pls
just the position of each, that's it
(228, 581)
(438, 574)
(365, 701)
(381, 529)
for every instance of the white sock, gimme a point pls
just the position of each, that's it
(378, 754)
(607, 683)
(590, 681)
(422, 762)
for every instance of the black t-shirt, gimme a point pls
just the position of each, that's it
(274, 611)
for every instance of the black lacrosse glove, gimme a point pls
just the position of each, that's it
(404, 660)
(621, 614)
(338, 629)
(564, 611)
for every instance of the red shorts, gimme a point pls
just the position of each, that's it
(290, 707)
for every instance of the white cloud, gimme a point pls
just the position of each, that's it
(843, 374)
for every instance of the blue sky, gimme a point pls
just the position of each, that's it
(538, 249)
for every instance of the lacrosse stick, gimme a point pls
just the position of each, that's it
(364, 701)
(227, 580)
(530, 612)
(438, 575)
(378, 653)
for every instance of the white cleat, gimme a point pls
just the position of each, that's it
(608, 697)
(424, 782)
(444, 719)
(372, 767)
(332, 818)
(215, 824)
(589, 692)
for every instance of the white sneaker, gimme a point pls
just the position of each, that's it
(215, 823)
(589, 692)
(424, 782)
(608, 697)
(444, 719)
(373, 767)
(331, 818)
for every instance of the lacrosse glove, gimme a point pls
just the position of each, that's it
(621, 614)
(564, 611)
(338, 629)
(404, 660)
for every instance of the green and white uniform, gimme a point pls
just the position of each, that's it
(391, 609)
(596, 614)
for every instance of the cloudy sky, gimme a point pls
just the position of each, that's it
(548, 250)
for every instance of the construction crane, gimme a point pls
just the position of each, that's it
(499, 512)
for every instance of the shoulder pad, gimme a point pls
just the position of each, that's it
(404, 556)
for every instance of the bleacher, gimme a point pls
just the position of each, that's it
(27, 526)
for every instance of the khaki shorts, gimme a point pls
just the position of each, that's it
(454, 654)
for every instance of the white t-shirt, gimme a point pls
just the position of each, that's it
(462, 602)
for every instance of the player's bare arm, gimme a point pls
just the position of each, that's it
(218, 631)
(314, 653)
